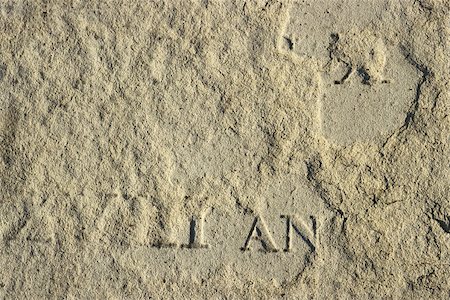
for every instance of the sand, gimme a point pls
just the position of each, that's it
(225, 149)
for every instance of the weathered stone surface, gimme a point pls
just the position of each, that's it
(224, 149)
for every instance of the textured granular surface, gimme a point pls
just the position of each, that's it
(225, 149)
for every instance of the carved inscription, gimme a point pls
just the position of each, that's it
(259, 236)
(259, 232)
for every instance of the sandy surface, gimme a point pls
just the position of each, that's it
(225, 149)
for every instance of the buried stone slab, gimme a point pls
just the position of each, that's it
(309, 26)
(357, 105)
(368, 83)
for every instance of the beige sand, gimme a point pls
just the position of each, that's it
(224, 149)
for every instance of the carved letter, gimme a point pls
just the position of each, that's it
(289, 225)
(259, 232)
(196, 238)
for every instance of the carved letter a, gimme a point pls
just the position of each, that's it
(260, 233)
